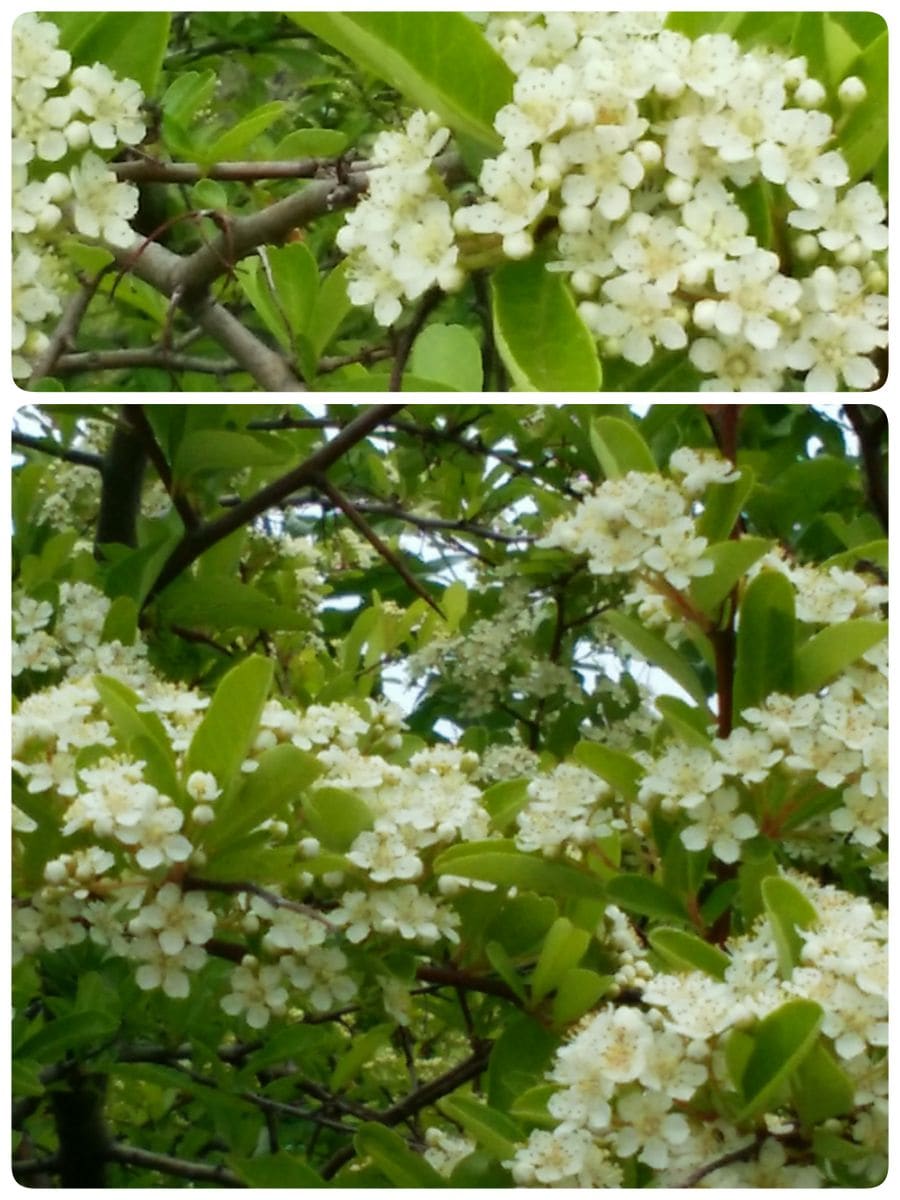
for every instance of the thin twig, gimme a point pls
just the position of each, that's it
(193, 883)
(409, 334)
(63, 335)
(150, 356)
(135, 416)
(78, 458)
(134, 1156)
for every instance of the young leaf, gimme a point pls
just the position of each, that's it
(493, 1130)
(641, 895)
(765, 641)
(498, 861)
(832, 649)
(506, 969)
(731, 560)
(619, 769)
(620, 448)
(312, 143)
(821, 1088)
(563, 947)
(519, 1060)
(225, 735)
(577, 990)
(236, 141)
(336, 817)
(131, 44)
(686, 951)
(278, 783)
(420, 54)
(780, 1043)
(722, 504)
(657, 651)
(788, 910)
(220, 602)
(543, 342)
(448, 354)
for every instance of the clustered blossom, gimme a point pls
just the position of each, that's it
(637, 141)
(400, 237)
(631, 1083)
(59, 116)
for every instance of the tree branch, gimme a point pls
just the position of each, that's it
(196, 542)
(65, 331)
(871, 432)
(136, 417)
(409, 334)
(134, 1156)
(151, 356)
(79, 458)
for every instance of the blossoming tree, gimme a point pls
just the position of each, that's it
(432, 201)
(449, 795)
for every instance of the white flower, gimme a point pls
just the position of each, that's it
(737, 366)
(792, 155)
(158, 969)
(717, 822)
(102, 207)
(855, 218)
(177, 918)
(832, 350)
(112, 106)
(649, 1126)
(256, 992)
(202, 786)
(35, 53)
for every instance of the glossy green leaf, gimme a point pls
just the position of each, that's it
(455, 603)
(402, 1166)
(722, 505)
(654, 649)
(691, 725)
(821, 1088)
(522, 922)
(641, 895)
(780, 1043)
(312, 143)
(223, 450)
(273, 790)
(503, 964)
(121, 624)
(419, 54)
(493, 1130)
(764, 661)
(577, 990)
(221, 602)
(620, 448)
(131, 44)
(73, 1032)
(240, 138)
(332, 305)
(788, 910)
(866, 552)
(450, 355)
(531, 1107)
(619, 769)
(832, 650)
(731, 560)
(687, 952)
(498, 861)
(279, 1170)
(336, 817)
(132, 726)
(563, 947)
(504, 800)
(226, 733)
(542, 340)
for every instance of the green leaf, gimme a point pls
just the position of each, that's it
(235, 141)
(764, 661)
(183, 99)
(620, 448)
(121, 624)
(522, 922)
(531, 1107)
(731, 560)
(520, 1057)
(73, 1032)
(864, 138)
(832, 649)
(687, 952)
(788, 910)
(641, 895)
(455, 603)
(619, 769)
(420, 54)
(331, 306)
(493, 1130)
(223, 450)
(336, 817)
(225, 735)
(506, 969)
(402, 1166)
(780, 1043)
(577, 990)
(867, 552)
(276, 786)
(690, 724)
(563, 947)
(542, 340)
(498, 861)
(722, 504)
(821, 1088)
(132, 727)
(131, 44)
(654, 649)
(363, 1048)
(312, 143)
(280, 1170)
(219, 602)
(450, 355)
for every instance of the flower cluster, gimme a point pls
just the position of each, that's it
(61, 118)
(640, 143)
(639, 1083)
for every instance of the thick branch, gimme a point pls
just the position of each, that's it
(79, 458)
(150, 356)
(871, 431)
(196, 542)
(120, 496)
(151, 170)
(136, 417)
(134, 1156)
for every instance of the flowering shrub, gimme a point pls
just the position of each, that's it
(541, 915)
(625, 199)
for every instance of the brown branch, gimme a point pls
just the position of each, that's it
(134, 1156)
(79, 458)
(64, 334)
(438, 524)
(455, 978)
(726, 1160)
(409, 334)
(152, 170)
(871, 431)
(394, 560)
(197, 542)
(151, 356)
(192, 883)
(135, 416)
